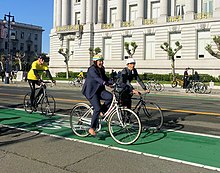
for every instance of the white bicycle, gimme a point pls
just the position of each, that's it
(123, 124)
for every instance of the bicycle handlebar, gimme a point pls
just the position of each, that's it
(46, 82)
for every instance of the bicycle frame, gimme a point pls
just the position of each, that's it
(41, 95)
(114, 106)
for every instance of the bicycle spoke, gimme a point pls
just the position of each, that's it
(80, 119)
(125, 127)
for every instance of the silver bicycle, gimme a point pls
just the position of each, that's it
(123, 124)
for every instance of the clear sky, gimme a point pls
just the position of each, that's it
(35, 12)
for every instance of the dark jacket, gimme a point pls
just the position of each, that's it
(95, 80)
(127, 76)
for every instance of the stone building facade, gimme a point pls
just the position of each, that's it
(108, 24)
(24, 38)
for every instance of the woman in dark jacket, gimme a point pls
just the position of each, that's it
(94, 90)
(128, 74)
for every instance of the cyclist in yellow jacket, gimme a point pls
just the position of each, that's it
(33, 76)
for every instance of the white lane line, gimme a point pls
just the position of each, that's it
(130, 151)
(121, 149)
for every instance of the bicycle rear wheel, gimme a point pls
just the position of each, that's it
(124, 126)
(80, 119)
(27, 103)
(174, 84)
(154, 116)
(48, 106)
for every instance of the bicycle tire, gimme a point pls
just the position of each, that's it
(71, 83)
(154, 116)
(80, 119)
(27, 103)
(174, 84)
(48, 106)
(157, 86)
(125, 128)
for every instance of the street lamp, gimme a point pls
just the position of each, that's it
(8, 19)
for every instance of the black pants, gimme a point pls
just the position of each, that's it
(33, 84)
(126, 99)
(95, 102)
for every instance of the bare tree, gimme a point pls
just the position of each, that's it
(95, 51)
(216, 54)
(66, 54)
(132, 50)
(19, 57)
(171, 54)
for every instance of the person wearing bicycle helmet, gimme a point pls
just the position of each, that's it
(128, 74)
(94, 90)
(33, 75)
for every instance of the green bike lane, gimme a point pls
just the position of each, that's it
(193, 149)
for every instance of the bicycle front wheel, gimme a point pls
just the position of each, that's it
(71, 83)
(80, 119)
(154, 116)
(124, 126)
(48, 106)
(27, 103)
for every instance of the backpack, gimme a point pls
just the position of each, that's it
(119, 88)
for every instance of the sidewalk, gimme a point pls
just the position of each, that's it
(215, 92)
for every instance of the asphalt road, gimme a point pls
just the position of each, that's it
(22, 151)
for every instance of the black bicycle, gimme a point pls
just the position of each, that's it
(153, 119)
(42, 100)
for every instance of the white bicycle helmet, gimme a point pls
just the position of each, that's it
(130, 61)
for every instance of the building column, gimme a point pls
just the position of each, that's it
(216, 12)
(59, 13)
(100, 11)
(54, 13)
(189, 15)
(65, 12)
(163, 11)
(119, 16)
(90, 13)
(140, 12)
(83, 12)
(94, 11)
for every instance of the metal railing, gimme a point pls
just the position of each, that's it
(127, 23)
(203, 15)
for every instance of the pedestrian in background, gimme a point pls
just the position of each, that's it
(185, 78)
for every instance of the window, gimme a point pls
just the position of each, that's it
(203, 38)
(77, 18)
(132, 12)
(35, 36)
(22, 47)
(207, 6)
(6, 45)
(28, 48)
(180, 10)
(129, 40)
(155, 10)
(174, 37)
(150, 47)
(29, 36)
(108, 48)
(113, 13)
(35, 48)
(22, 35)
